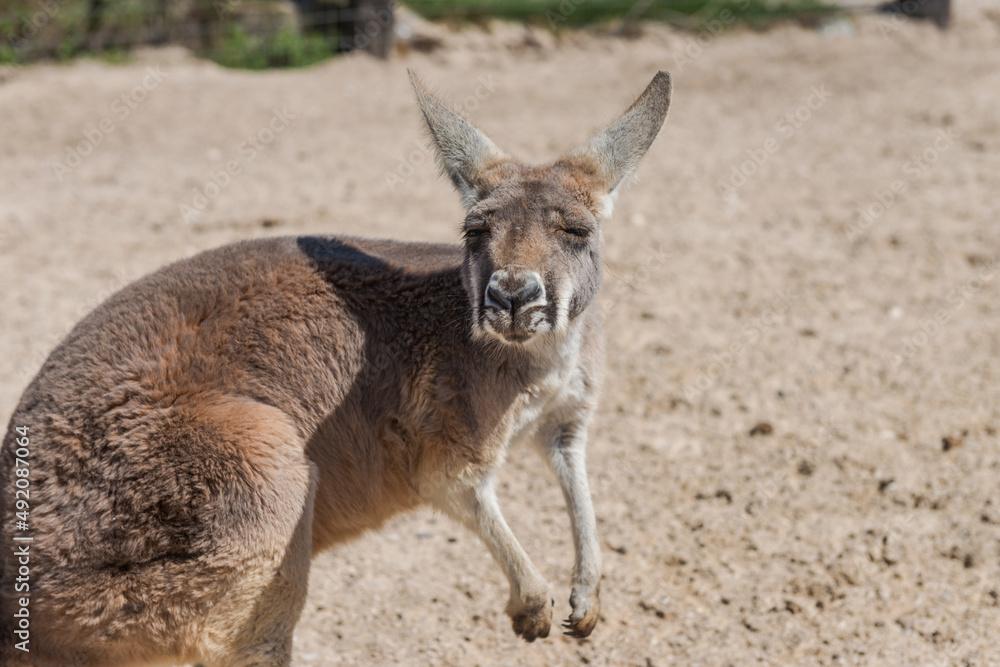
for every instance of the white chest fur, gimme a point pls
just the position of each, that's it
(561, 389)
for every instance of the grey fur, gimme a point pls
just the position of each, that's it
(619, 148)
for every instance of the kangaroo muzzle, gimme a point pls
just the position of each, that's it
(514, 291)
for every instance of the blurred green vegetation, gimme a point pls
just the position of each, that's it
(252, 34)
(690, 14)
(257, 34)
(241, 49)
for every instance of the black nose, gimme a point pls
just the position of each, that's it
(524, 291)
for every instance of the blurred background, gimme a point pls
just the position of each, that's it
(796, 457)
(292, 33)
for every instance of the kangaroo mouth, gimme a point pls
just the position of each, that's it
(519, 329)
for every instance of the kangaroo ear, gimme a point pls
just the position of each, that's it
(465, 154)
(617, 150)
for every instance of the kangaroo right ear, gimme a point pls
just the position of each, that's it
(465, 154)
(614, 153)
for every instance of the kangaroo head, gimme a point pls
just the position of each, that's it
(533, 234)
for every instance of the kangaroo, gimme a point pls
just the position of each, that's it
(202, 434)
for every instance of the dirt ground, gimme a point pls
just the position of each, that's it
(796, 461)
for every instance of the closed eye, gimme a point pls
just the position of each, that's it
(579, 232)
(475, 232)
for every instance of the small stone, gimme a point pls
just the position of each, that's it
(950, 442)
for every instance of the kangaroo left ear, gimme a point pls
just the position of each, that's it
(616, 151)
(465, 154)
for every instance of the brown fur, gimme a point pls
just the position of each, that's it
(204, 432)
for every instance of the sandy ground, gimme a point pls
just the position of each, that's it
(857, 525)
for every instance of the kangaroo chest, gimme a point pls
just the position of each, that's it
(548, 400)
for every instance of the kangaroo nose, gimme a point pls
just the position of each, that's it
(512, 293)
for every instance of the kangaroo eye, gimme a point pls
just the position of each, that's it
(475, 232)
(579, 232)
